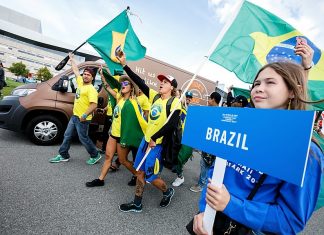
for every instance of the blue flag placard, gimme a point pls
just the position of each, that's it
(275, 142)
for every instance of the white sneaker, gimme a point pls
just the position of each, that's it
(178, 181)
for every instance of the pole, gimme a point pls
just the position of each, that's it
(66, 59)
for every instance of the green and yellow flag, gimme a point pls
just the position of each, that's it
(257, 37)
(118, 32)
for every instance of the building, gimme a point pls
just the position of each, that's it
(21, 40)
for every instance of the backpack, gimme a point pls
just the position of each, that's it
(172, 141)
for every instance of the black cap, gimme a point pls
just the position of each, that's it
(241, 99)
(215, 96)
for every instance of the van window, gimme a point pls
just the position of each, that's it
(73, 84)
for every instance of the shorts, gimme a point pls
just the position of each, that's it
(152, 165)
(115, 138)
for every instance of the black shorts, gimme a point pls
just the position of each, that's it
(115, 138)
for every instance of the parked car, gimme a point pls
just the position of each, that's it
(42, 110)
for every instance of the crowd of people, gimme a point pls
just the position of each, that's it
(149, 124)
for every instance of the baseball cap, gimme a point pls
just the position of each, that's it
(215, 96)
(189, 94)
(241, 99)
(171, 79)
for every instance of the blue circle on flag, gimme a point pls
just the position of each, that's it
(285, 51)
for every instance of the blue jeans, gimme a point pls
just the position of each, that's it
(204, 168)
(82, 129)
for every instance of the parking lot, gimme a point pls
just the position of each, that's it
(37, 197)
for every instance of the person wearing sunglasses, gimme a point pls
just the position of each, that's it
(163, 104)
(127, 129)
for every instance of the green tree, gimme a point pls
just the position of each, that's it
(43, 74)
(19, 69)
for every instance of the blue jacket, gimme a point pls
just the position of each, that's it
(278, 206)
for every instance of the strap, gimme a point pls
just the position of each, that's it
(257, 186)
(156, 97)
(168, 105)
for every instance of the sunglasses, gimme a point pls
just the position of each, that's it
(125, 83)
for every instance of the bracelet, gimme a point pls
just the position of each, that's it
(84, 116)
(311, 66)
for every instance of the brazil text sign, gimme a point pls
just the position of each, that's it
(275, 142)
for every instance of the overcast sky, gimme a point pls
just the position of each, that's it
(179, 32)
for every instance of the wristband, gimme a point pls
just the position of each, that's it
(84, 116)
(311, 66)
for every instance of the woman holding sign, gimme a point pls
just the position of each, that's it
(267, 205)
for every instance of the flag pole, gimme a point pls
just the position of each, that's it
(205, 59)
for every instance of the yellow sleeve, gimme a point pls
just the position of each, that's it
(93, 95)
(79, 81)
(176, 105)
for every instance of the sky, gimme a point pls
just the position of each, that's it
(178, 32)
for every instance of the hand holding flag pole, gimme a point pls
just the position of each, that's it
(66, 59)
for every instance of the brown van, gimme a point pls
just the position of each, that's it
(42, 110)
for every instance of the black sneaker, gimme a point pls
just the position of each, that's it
(95, 183)
(167, 197)
(132, 182)
(130, 207)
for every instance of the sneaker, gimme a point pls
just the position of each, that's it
(94, 160)
(130, 207)
(167, 198)
(178, 181)
(95, 183)
(132, 182)
(196, 188)
(58, 159)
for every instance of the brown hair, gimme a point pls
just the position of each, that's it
(294, 78)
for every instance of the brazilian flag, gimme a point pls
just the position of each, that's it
(118, 32)
(257, 37)
(113, 82)
(240, 91)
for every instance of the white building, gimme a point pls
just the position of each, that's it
(21, 40)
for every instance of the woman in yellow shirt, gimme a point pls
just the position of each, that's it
(127, 128)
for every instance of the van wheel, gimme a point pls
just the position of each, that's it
(45, 130)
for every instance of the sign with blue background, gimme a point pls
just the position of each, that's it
(275, 142)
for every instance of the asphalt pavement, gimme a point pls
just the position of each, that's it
(37, 197)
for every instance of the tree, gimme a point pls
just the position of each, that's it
(43, 74)
(19, 69)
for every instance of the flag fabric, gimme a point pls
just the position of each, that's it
(117, 33)
(113, 82)
(257, 37)
(240, 91)
(133, 124)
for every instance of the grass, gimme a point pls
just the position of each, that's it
(10, 86)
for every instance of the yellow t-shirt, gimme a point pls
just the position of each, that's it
(109, 106)
(158, 115)
(115, 126)
(143, 102)
(85, 94)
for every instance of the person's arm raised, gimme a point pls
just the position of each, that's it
(75, 68)
(306, 53)
(106, 85)
(136, 79)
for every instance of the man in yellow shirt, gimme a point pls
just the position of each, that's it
(85, 103)
(144, 103)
